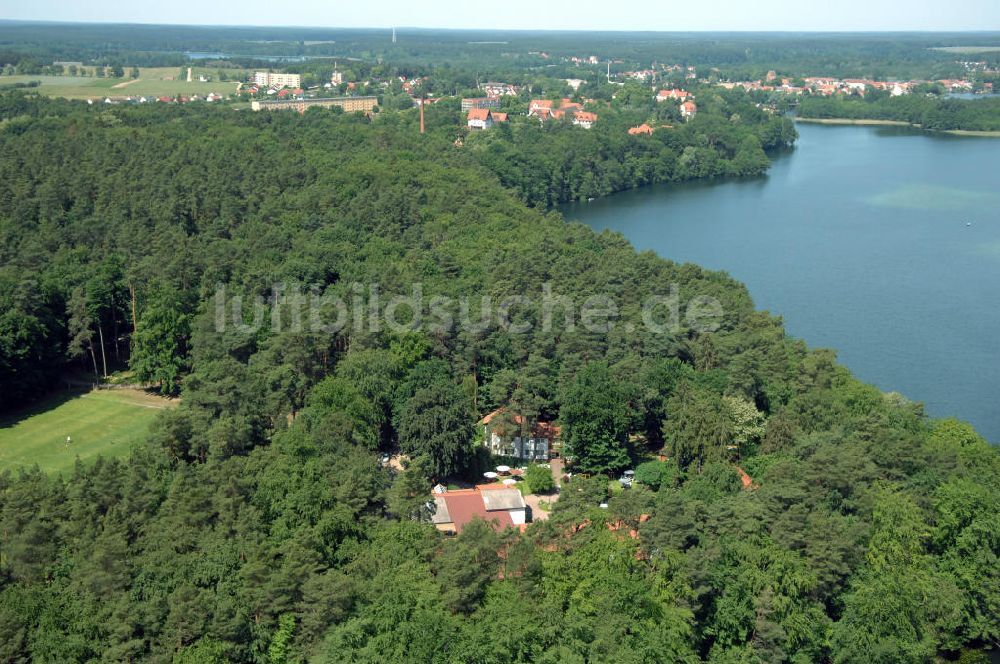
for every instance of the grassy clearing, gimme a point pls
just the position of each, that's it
(152, 82)
(100, 422)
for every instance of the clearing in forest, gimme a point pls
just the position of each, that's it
(97, 422)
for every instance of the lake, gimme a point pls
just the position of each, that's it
(858, 238)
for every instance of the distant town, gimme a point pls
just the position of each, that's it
(500, 101)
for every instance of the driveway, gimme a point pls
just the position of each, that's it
(537, 513)
(557, 466)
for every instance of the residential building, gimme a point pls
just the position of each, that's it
(349, 104)
(498, 505)
(672, 95)
(272, 79)
(689, 109)
(480, 102)
(544, 109)
(480, 118)
(504, 436)
(495, 89)
(640, 130)
(540, 107)
(585, 119)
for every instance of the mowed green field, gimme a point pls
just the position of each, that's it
(100, 422)
(152, 82)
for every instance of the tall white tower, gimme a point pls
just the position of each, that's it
(394, 35)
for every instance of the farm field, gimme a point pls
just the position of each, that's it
(152, 82)
(99, 422)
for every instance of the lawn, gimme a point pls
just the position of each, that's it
(152, 82)
(100, 422)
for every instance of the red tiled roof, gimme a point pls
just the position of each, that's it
(479, 114)
(586, 116)
(542, 429)
(641, 129)
(466, 504)
(500, 117)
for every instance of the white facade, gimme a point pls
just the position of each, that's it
(271, 79)
(480, 118)
(534, 449)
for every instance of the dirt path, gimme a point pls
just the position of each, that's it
(134, 397)
(118, 86)
(557, 466)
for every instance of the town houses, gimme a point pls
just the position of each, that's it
(672, 95)
(830, 85)
(547, 109)
(495, 89)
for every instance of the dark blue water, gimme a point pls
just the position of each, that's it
(205, 55)
(858, 238)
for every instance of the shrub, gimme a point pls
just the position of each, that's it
(539, 479)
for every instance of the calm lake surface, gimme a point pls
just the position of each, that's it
(858, 239)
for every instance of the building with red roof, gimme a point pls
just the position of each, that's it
(538, 106)
(480, 118)
(498, 505)
(585, 119)
(674, 95)
(640, 130)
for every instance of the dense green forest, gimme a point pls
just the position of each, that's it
(928, 111)
(494, 53)
(256, 523)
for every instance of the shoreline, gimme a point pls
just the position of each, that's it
(899, 123)
(850, 121)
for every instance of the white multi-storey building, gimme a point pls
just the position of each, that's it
(275, 80)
